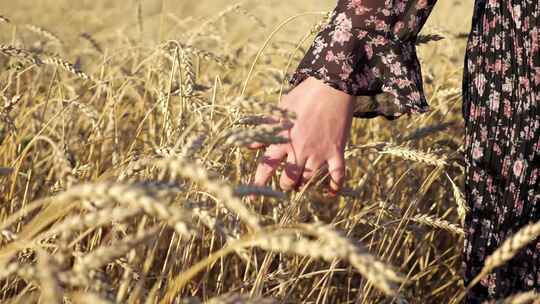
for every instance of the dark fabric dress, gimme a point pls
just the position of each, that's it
(368, 49)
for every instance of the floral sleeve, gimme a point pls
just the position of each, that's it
(368, 49)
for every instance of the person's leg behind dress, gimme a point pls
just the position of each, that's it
(501, 110)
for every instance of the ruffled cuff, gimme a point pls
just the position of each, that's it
(368, 49)
(387, 79)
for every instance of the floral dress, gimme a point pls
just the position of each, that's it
(368, 49)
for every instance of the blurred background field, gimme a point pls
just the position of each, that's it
(124, 173)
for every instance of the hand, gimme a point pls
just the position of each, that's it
(316, 139)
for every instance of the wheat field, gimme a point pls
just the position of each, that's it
(124, 175)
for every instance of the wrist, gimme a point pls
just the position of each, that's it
(321, 86)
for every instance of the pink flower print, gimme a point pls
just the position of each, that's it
(481, 111)
(413, 22)
(526, 133)
(381, 25)
(398, 26)
(346, 71)
(355, 3)
(483, 133)
(524, 82)
(534, 176)
(379, 41)
(497, 41)
(414, 96)
(343, 21)
(497, 149)
(493, 23)
(318, 46)
(507, 86)
(341, 56)
(478, 202)
(361, 80)
(472, 110)
(490, 187)
(476, 176)
(477, 151)
(395, 68)
(323, 71)
(342, 33)
(517, 15)
(403, 83)
(530, 280)
(537, 75)
(341, 36)
(507, 108)
(358, 7)
(330, 57)
(518, 167)
(421, 4)
(373, 72)
(518, 206)
(494, 101)
(480, 82)
(361, 34)
(534, 39)
(400, 6)
(498, 65)
(369, 51)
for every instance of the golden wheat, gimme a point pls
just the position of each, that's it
(124, 178)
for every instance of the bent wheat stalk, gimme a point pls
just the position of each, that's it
(506, 252)
(330, 246)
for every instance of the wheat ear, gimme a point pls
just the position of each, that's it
(508, 250)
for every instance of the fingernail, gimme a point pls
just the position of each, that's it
(332, 193)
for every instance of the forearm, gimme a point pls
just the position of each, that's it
(368, 47)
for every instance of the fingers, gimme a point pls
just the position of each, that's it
(336, 168)
(313, 166)
(268, 164)
(255, 146)
(292, 172)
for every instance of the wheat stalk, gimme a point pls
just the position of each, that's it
(90, 220)
(65, 65)
(103, 255)
(331, 246)
(140, 20)
(45, 33)
(437, 223)
(88, 37)
(4, 19)
(527, 297)
(80, 297)
(49, 283)
(424, 39)
(180, 167)
(233, 298)
(509, 248)
(267, 134)
(463, 208)
(20, 54)
(414, 155)
(263, 108)
(197, 52)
